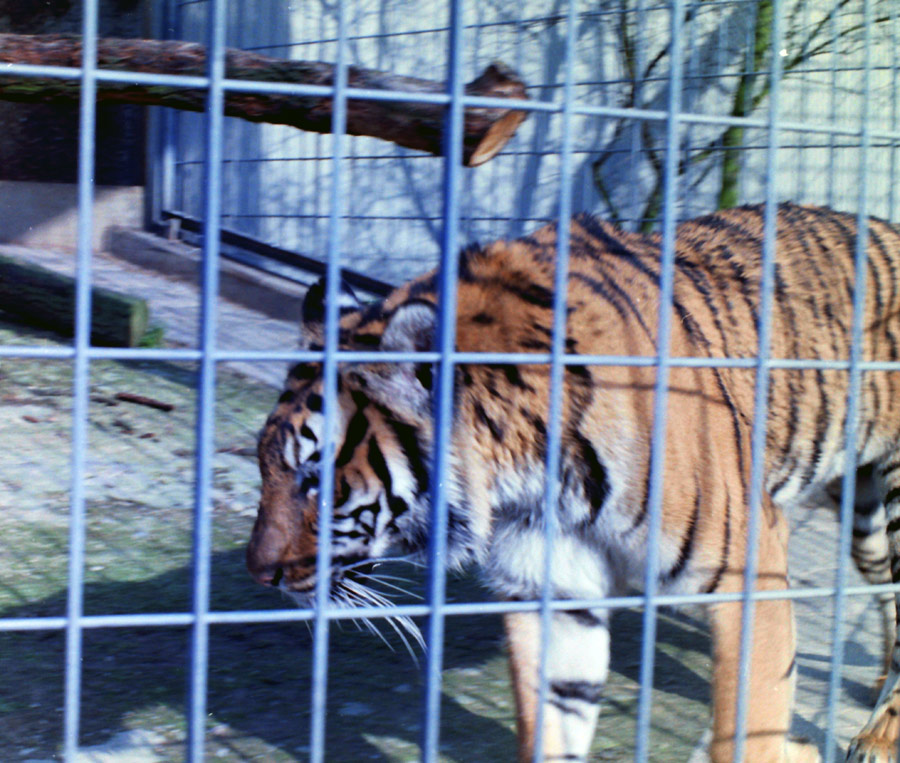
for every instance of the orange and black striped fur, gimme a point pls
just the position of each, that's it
(384, 435)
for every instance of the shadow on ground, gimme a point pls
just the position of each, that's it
(259, 677)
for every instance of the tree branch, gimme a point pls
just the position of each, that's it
(414, 125)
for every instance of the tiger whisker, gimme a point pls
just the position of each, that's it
(406, 559)
(355, 592)
(381, 580)
(374, 630)
(382, 576)
(404, 623)
(399, 625)
(367, 595)
(353, 596)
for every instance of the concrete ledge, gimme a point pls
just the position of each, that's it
(45, 215)
(272, 296)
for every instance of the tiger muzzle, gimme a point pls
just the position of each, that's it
(276, 557)
(264, 556)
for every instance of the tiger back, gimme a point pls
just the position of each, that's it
(384, 435)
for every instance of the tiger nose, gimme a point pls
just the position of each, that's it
(264, 574)
(265, 552)
(268, 577)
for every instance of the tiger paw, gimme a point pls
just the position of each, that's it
(865, 750)
(878, 742)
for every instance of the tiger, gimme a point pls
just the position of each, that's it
(384, 433)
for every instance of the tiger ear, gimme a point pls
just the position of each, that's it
(404, 386)
(410, 328)
(312, 324)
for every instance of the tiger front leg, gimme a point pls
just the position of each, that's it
(772, 667)
(577, 665)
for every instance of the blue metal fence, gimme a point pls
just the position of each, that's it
(567, 107)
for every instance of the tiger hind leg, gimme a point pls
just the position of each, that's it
(871, 555)
(578, 660)
(878, 740)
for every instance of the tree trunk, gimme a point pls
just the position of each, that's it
(742, 105)
(414, 125)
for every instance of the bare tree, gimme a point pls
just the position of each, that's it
(749, 64)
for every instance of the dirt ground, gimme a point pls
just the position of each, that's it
(139, 485)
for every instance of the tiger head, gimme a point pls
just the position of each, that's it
(381, 435)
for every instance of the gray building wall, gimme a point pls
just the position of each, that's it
(277, 179)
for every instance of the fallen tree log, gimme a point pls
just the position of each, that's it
(414, 125)
(46, 299)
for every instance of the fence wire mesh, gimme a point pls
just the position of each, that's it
(644, 113)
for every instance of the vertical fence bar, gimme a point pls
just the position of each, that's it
(848, 484)
(798, 191)
(80, 378)
(206, 392)
(832, 111)
(761, 386)
(329, 382)
(557, 350)
(658, 435)
(892, 144)
(443, 405)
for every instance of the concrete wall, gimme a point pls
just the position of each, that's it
(46, 214)
(277, 180)
(39, 142)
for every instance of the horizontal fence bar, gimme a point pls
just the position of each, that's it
(105, 75)
(493, 358)
(179, 619)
